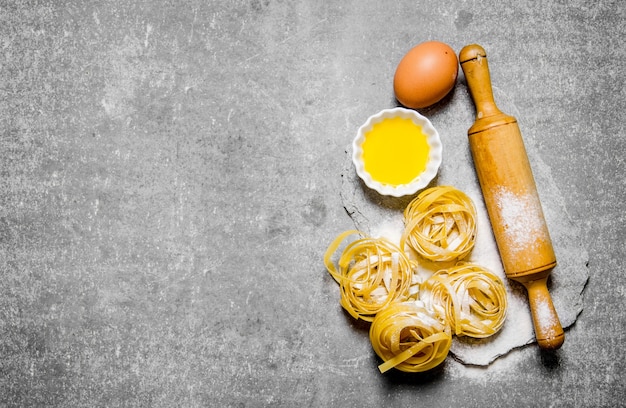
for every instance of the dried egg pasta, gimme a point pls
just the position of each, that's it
(407, 337)
(440, 224)
(472, 299)
(371, 272)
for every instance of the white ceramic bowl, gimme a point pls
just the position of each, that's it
(419, 182)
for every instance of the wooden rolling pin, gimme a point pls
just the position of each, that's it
(511, 198)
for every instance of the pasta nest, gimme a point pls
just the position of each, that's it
(372, 274)
(408, 337)
(440, 224)
(471, 299)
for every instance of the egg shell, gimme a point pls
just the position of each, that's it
(426, 74)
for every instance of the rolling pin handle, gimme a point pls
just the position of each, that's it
(473, 59)
(548, 330)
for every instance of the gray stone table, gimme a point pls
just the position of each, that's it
(170, 177)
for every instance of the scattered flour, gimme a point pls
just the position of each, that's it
(500, 370)
(390, 228)
(522, 219)
(544, 314)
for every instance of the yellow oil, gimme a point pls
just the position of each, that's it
(395, 151)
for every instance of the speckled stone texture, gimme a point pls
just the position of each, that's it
(170, 176)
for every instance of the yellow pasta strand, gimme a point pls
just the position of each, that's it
(472, 299)
(407, 337)
(440, 224)
(371, 272)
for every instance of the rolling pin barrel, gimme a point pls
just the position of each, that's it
(511, 198)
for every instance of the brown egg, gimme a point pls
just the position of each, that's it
(425, 74)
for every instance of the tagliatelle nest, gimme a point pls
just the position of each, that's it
(440, 224)
(372, 273)
(407, 337)
(470, 298)
(412, 320)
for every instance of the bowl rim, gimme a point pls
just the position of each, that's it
(434, 155)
